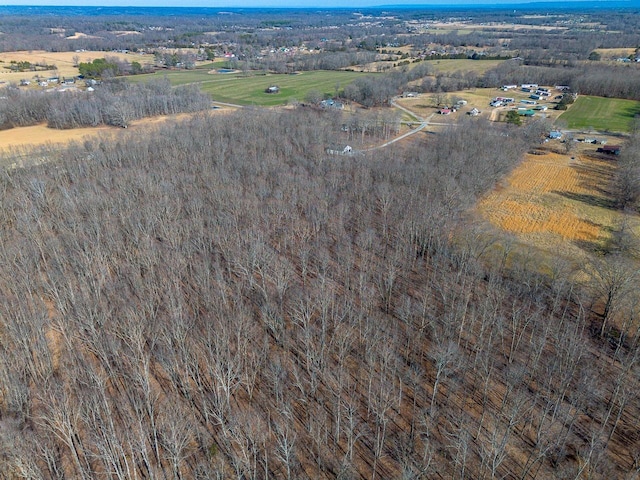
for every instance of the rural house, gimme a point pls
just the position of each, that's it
(555, 134)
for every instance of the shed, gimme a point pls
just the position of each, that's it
(610, 149)
(554, 134)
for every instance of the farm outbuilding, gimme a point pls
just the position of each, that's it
(610, 149)
(331, 103)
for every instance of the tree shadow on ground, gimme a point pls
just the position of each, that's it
(595, 247)
(593, 200)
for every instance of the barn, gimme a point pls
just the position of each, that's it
(610, 149)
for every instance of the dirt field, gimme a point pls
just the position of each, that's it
(14, 141)
(553, 202)
(613, 53)
(454, 26)
(62, 60)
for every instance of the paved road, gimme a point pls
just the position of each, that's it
(232, 105)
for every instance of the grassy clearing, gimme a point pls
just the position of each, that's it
(463, 65)
(62, 60)
(250, 90)
(615, 52)
(16, 141)
(599, 113)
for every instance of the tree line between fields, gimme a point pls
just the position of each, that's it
(616, 82)
(220, 298)
(335, 41)
(111, 103)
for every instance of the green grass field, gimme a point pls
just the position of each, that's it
(599, 113)
(250, 90)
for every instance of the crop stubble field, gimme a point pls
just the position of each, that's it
(62, 60)
(553, 202)
(17, 140)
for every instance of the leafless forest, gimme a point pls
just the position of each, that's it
(115, 103)
(222, 299)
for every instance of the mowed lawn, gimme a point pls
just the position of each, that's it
(599, 113)
(250, 90)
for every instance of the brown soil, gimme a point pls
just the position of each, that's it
(553, 202)
(16, 139)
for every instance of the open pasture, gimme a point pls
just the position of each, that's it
(612, 53)
(62, 60)
(250, 89)
(470, 26)
(601, 114)
(463, 65)
(15, 141)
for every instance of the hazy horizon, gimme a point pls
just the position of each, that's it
(277, 4)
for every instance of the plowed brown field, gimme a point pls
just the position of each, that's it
(555, 202)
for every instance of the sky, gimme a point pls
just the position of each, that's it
(264, 3)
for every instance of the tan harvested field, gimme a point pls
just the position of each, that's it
(78, 35)
(452, 26)
(609, 53)
(38, 135)
(463, 65)
(15, 141)
(555, 203)
(122, 33)
(62, 60)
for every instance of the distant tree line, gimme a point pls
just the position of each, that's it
(25, 66)
(378, 89)
(112, 103)
(109, 67)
